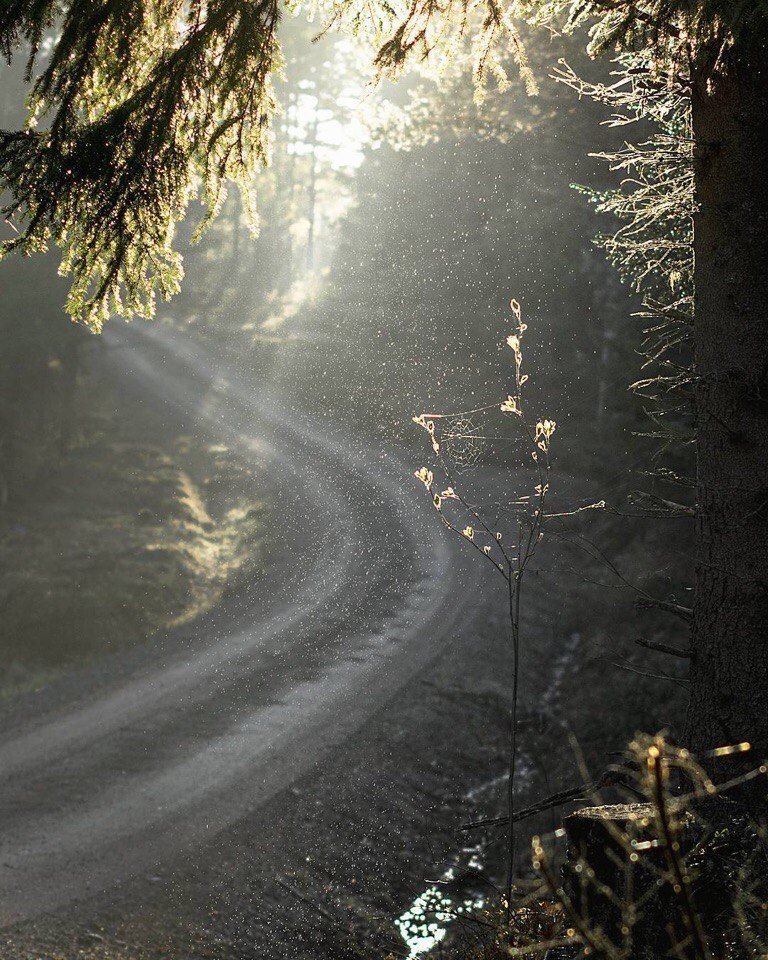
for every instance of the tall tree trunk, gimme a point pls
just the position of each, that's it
(312, 195)
(729, 680)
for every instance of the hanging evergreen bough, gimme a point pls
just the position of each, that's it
(651, 243)
(140, 106)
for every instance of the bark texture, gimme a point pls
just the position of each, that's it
(729, 681)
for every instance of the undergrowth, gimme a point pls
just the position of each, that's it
(674, 865)
(139, 530)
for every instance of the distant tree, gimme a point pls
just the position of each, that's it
(471, 201)
(649, 238)
(41, 358)
(243, 291)
(147, 104)
(719, 53)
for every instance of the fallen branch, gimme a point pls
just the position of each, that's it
(608, 779)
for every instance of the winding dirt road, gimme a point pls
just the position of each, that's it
(118, 769)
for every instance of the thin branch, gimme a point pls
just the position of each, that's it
(647, 602)
(630, 668)
(663, 648)
(559, 799)
(667, 507)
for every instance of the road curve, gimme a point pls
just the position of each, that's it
(119, 771)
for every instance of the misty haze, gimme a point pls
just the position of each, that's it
(383, 480)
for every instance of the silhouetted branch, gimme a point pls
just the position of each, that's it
(609, 778)
(645, 602)
(666, 507)
(663, 648)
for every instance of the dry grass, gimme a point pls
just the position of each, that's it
(682, 873)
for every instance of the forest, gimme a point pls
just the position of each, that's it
(383, 479)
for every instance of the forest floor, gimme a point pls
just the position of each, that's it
(323, 869)
(139, 528)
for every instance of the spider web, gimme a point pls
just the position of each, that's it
(461, 440)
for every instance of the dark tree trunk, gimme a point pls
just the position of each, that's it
(729, 681)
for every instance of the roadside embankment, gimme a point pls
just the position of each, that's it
(142, 526)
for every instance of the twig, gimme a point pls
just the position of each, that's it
(559, 799)
(630, 668)
(307, 900)
(668, 835)
(663, 648)
(646, 602)
(665, 507)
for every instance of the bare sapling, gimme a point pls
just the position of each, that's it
(509, 542)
